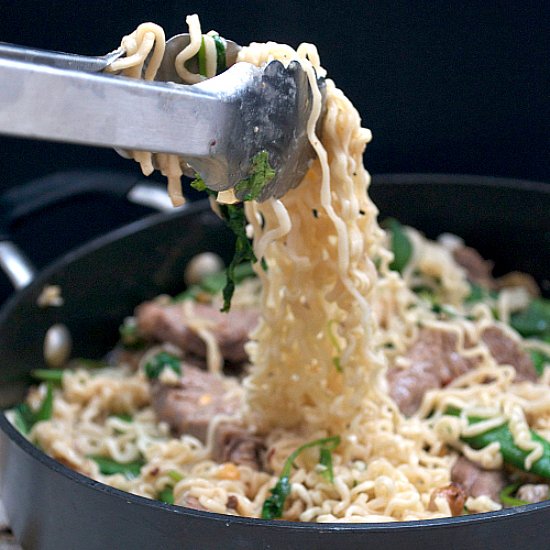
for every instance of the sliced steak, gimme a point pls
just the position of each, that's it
(233, 443)
(455, 496)
(171, 323)
(477, 269)
(434, 362)
(189, 406)
(533, 492)
(507, 351)
(476, 481)
(189, 501)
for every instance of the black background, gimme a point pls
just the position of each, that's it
(457, 87)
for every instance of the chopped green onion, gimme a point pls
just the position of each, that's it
(89, 363)
(159, 362)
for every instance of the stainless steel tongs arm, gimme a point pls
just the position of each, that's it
(85, 63)
(217, 126)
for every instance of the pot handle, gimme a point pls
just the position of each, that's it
(43, 193)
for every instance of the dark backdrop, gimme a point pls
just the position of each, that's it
(444, 86)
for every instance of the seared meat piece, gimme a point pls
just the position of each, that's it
(533, 493)
(476, 481)
(477, 269)
(233, 443)
(434, 363)
(507, 352)
(188, 407)
(171, 323)
(455, 496)
(192, 502)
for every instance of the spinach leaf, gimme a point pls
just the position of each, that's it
(261, 173)
(274, 504)
(130, 337)
(156, 364)
(55, 376)
(507, 498)
(166, 495)
(221, 58)
(26, 418)
(401, 245)
(109, 467)
(535, 320)
(539, 359)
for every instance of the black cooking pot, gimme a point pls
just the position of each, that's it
(50, 506)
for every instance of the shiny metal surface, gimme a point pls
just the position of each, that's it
(59, 59)
(216, 126)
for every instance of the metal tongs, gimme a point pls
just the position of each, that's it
(216, 126)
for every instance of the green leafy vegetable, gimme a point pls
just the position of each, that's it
(511, 453)
(539, 360)
(159, 362)
(26, 418)
(55, 376)
(274, 505)
(202, 58)
(166, 495)
(129, 334)
(176, 476)
(89, 363)
(401, 245)
(261, 173)
(236, 220)
(479, 294)
(507, 498)
(325, 461)
(221, 57)
(221, 60)
(336, 345)
(123, 416)
(109, 467)
(535, 320)
(215, 282)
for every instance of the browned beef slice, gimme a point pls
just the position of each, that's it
(533, 492)
(434, 363)
(507, 352)
(188, 407)
(455, 496)
(233, 443)
(170, 323)
(478, 270)
(476, 481)
(192, 502)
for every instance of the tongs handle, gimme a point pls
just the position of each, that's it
(85, 63)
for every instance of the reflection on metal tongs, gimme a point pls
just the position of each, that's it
(216, 126)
